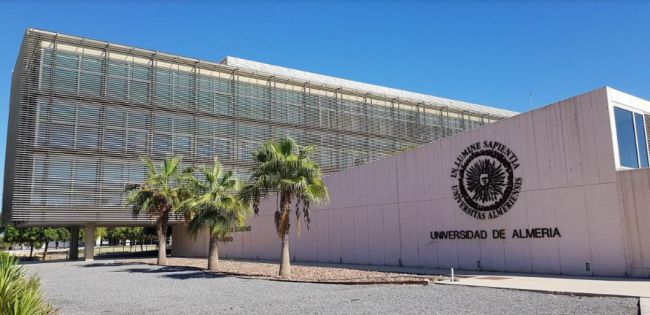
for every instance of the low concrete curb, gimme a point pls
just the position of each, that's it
(424, 281)
(406, 282)
(396, 282)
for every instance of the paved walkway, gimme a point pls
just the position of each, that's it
(559, 284)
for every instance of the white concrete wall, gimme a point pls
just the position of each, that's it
(635, 203)
(382, 212)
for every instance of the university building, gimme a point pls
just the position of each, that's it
(415, 180)
(83, 111)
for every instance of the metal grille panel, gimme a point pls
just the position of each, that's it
(83, 112)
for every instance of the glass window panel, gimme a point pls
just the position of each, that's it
(61, 135)
(224, 149)
(162, 143)
(87, 137)
(140, 91)
(204, 148)
(140, 71)
(137, 141)
(112, 172)
(59, 170)
(41, 133)
(243, 107)
(205, 127)
(85, 174)
(223, 86)
(57, 197)
(206, 101)
(117, 88)
(138, 120)
(67, 60)
(91, 64)
(115, 118)
(47, 57)
(85, 182)
(182, 144)
(118, 68)
(206, 83)
(136, 173)
(641, 140)
(112, 195)
(163, 123)
(46, 78)
(183, 124)
(163, 93)
(63, 112)
(245, 150)
(65, 80)
(114, 139)
(83, 197)
(222, 104)
(91, 83)
(89, 115)
(163, 76)
(626, 139)
(182, 96)
(223, 128)
(38, 180)
(183, 79)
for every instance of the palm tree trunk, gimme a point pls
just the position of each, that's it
(285, 267)
(283, 229)
(161, 230)
(45, 251)
(213, 253)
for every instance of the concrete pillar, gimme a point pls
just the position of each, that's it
(89, 240)
(74, 243)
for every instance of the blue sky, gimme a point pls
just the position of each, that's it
(493, 54)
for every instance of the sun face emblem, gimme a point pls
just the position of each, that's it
(485, 180)
(485, 183)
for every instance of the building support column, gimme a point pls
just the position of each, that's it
(73, 253)
(89, 240)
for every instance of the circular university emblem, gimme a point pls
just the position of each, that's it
(485, 185)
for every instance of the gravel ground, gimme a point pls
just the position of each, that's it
(116, 288)
(269, 270)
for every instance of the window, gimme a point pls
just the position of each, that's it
(137, 132)
(631, 138)
(174, 87)
(87, 127)
(91, 76)
(114, 134)
(112, 183)
(58, 178)
(173, 135)
(128, 81)
(71, 72)
(641, 140)
(84, 181)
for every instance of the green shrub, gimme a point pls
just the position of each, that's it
(19, 293)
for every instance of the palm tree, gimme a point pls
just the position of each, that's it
(160, 196)
(285, 168)
(216, 208)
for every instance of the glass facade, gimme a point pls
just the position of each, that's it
(92, 111)
(631, 138)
